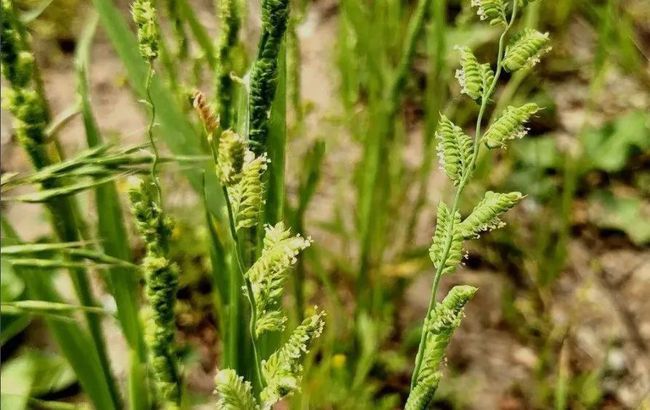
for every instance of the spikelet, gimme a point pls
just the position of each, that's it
(205, 113)
(247, 196)
(269, 273)
(469, 74)
(234, 392)
(443, 238)
(526, 50)
(440, 326)
(493, 11)
(510, 125)
(232, 149)
(144, 16)
(454, 149)
(283, 369)
(486, 215)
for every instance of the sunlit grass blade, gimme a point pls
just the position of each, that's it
(199, 32)
(73, 341)
(46, 195)
(115, 242)
(40, 306)
(276, 147)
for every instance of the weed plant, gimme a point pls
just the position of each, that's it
(457, 155)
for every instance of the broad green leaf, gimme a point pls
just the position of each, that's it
(610, 147)
(629, 214)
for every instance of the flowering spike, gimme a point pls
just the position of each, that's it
(234, 392)
(264, 73)
(526, 50)
(440, 325)
(205, 112)
(454, 149)
(486, 215)
(283, 369)
(144, 16)
(510, 125)
(270, 271)
(232, 149)
(443, 238)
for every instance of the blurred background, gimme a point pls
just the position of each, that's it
(562, 316)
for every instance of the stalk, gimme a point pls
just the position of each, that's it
(438, 276)
(259, 380)
(230, 25)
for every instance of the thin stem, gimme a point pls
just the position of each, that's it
(477, 143)
(249, 288)
(152, 123)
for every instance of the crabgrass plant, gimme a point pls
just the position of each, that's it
(458, 153)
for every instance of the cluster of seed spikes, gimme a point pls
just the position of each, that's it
(240, 172)
(458, 153)
(161, 283)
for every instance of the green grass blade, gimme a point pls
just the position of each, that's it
(73, 341)
(45, 307)
(276, 147)
(115, 242)
(199, 32)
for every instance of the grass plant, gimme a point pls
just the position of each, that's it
(227, 120)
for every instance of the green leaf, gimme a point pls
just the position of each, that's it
(629, 214)
(46, 195)
(609, 148)
(35, 373)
